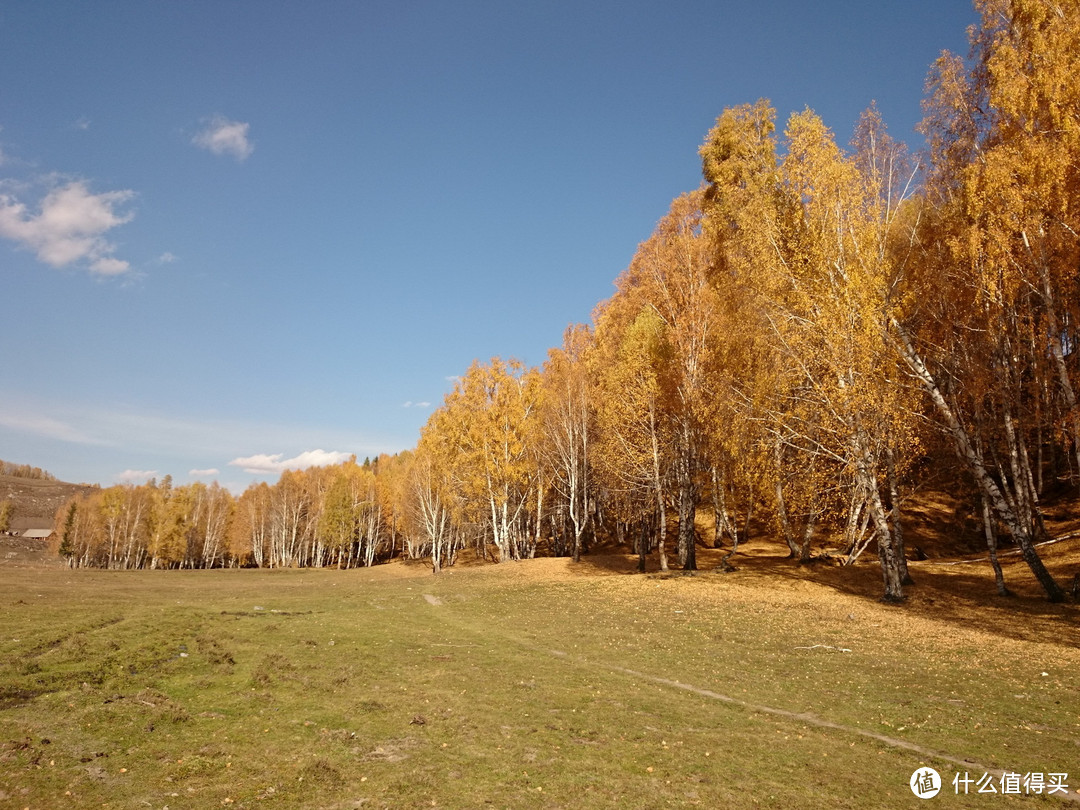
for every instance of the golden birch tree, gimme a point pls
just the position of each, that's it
(567, 418)
(633, 442)
(810, 235)
(993, 311)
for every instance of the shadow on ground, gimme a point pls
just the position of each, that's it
(957, 592)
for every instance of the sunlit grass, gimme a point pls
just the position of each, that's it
(351, 689)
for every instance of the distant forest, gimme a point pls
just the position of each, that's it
(795, 344)
(24, 471)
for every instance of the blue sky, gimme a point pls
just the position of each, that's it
(235, 234)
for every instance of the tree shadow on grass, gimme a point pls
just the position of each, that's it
(970, 598)
(954, 592)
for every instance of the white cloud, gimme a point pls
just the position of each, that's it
(167, 258)
(270, 464)
(82, 123)
(224, 137)
(109, 266)
(133, 476)
(70, 227)
(204, 473)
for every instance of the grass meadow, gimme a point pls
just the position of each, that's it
(527, 685)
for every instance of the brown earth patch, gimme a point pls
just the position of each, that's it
(36, 499)
(21, 552)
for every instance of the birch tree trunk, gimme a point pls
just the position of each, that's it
(1020, 533)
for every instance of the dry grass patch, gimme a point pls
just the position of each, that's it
(535, 684)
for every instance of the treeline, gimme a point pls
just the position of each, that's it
(796, 341)
(341, 516)
(25, 471)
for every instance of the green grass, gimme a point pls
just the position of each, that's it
(350, 689)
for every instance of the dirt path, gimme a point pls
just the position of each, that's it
(820, 722)
(808, 718)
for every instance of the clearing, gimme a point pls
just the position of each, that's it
(533, 684)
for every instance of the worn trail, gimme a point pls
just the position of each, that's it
(802, 717)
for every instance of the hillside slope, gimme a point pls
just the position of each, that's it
(37, 499)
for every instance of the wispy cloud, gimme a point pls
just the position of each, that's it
(46, 426)
(136, 476)
(263, 464)
(411, 404)
(167, 258)
(70, 227)
(152, 431)
(172, 443)
(109, 266)
(204, 473)
(224, 137)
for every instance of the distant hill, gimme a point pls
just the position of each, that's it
(25, 471)
(36, 500)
